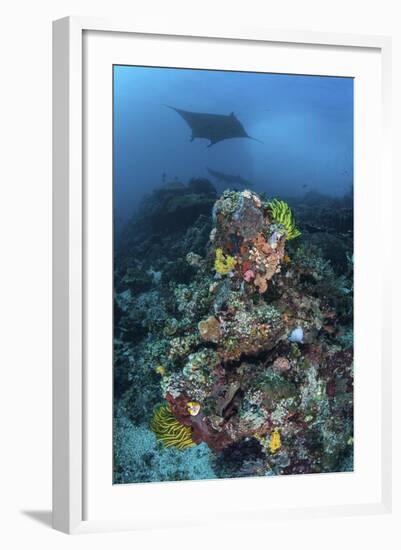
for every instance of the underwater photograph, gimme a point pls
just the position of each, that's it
(232, 274)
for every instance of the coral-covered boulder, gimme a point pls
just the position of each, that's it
(247, 368)
(244, 230)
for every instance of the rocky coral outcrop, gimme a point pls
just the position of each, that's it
(248, 320)
(243, 333)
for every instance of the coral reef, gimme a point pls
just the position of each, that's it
(241, 331)
(140, 458)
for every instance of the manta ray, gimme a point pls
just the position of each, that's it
(228, 178)
(213, 127)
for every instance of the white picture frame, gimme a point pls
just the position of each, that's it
(71, 254)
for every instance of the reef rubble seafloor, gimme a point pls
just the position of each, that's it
(232, 339)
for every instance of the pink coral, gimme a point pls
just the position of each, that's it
(249, 275)
(281, 364)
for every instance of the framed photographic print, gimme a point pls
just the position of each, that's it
(219, 329)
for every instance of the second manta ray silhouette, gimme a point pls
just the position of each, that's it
(228, 178)
(213, 127)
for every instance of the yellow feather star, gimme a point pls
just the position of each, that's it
(169, 431)
(282, 214)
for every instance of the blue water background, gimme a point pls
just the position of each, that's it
(305, 123)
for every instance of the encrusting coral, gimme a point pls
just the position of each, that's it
(275, 441)
(223, 263)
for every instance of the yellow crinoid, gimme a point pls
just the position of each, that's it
(282, 214)
(169, 430)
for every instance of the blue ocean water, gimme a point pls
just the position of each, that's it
(305, 123)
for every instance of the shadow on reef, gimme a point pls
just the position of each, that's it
(240, 328)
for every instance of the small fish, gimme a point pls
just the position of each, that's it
(193, 407)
